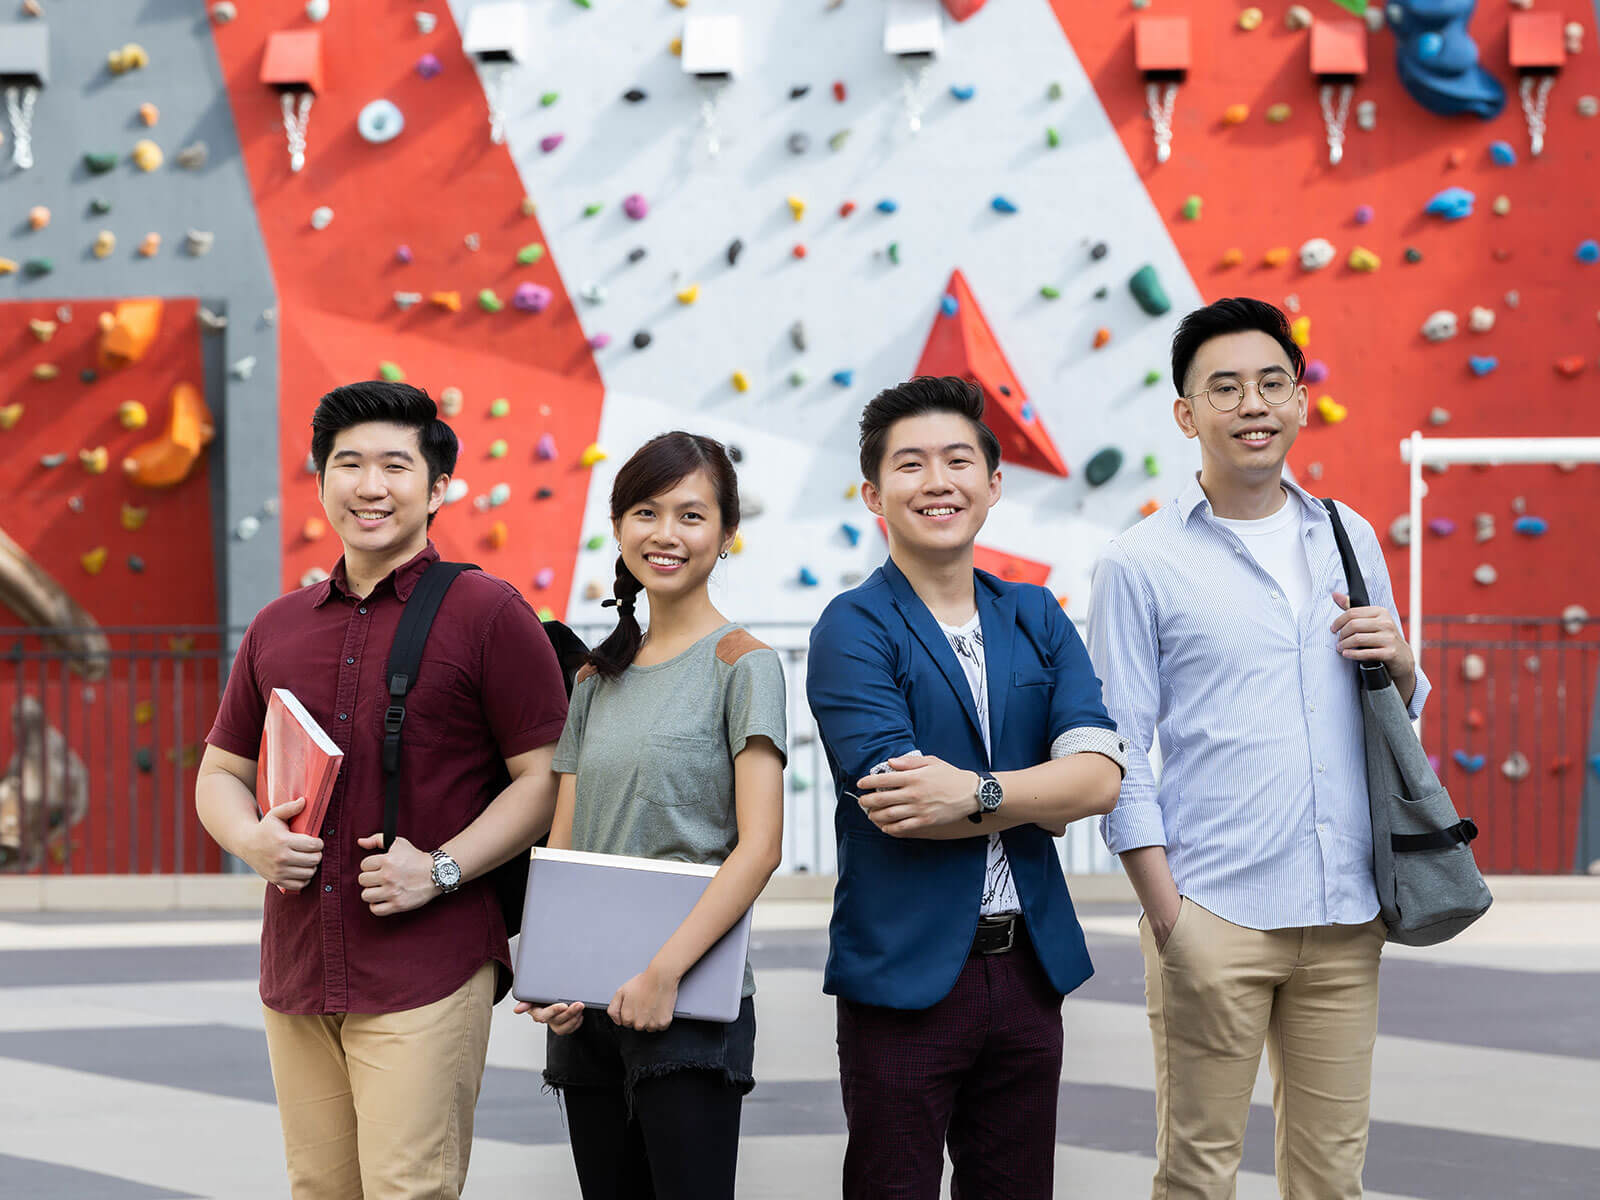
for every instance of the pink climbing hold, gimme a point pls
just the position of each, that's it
(545, 449)
(551, 141)
(429, 65)
(531, 297)
(544, 578)
(636, 206)
(599, 341)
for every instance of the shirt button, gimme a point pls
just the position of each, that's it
(1238, 549)
(327, 887)
(1322, 827)
(1313, 706)
(329, 831)
(362, 610)
(1274, 595)
(346, 717)
(349, 662)
(1321, 768)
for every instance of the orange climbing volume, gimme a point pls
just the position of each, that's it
(167, 460)
(133, 327)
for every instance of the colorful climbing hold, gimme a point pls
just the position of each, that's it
(500, 407)
(1364, 260)
(132, 415)
(429, 66)
(147, 155)
(636, 206)
(887, 205)
(1151, 296)
(844, 378)
(551, 141)
(1103, 466)
(1250, 19)
(593, 208)
(1300, 331)
(531, 297)
(1152, 466)
(321, 217)
(894, 253)
(1330, 410)
(1275, 257)
(688, 295)
(1316, 371)
(1502, 154)
(963, 92)
(95, 560)
(799, 250)
(808, 578)
(641, 339)
(1102, 337)
(1452, 204)
(1277, 114)
(836, 141)
(1231, 257)
(592, 454)
(530, 254)
(499, 448)
(1588, 251)
(1049, 292)
(948, 305)
(1470, 763)
(489, 302)
(1003, 205)
(1052, 137)
(1482, 364)
(1152, 377)
(45, 372)
(1364, 214)
(10, 414)
(391, 371)
(1531, 526)
(741, 381)
(95, 461)
(1570, 366)
(1501, 207)
(851, 533)
(1236, 114)
(797, 207)
(839, 92)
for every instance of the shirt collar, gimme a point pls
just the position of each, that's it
(404, 578)
(1193, 496)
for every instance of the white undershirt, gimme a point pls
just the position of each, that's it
(1275, 543)
(999, 889)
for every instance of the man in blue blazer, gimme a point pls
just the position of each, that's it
(963, 725)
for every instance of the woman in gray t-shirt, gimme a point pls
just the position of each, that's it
(674, 748)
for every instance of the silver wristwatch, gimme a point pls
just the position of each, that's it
(446, 872)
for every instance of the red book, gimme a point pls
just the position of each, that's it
(297, 759)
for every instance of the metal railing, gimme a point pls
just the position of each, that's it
(99, 744)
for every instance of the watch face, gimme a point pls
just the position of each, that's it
(448, 873)
(990, 794)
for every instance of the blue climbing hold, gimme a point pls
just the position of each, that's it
(1027, 412)
(1438, 61)
(887, 205)
(1503, 154)
(1588, 251)
(807, 578)
(1482, 364)
(1594, 764)
(1429, 45)
(1532, 526)
(1001, 205)
(1470, 763)
(1452, 204)
(963, 91)
(844, 378)
(949, 305)
(851, 533)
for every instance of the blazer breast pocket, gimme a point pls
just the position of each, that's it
(1030, 677)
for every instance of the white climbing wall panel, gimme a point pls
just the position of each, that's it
(860, 311)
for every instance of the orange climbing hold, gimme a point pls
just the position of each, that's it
(1276, 257)
(499, 535)
(1570, 366)
(132, 327)
(449, 301)
(1102, 337)
(1149, 507)
(1232, 257)
(167, 460)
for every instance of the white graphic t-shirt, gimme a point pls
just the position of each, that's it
(999, 891)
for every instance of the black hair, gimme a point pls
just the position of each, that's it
(656, 467)
(1236, 315)
(924, 394)
(394, 404)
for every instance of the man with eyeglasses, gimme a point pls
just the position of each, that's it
(1224, 615)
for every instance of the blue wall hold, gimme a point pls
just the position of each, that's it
(1503, 154)
(1437, 59)
(844, 378)
(807, 579)
(1001, 205)
(963, 91)
(1482, 364)
(1532, 526)
(1470, 763)
(1588, 251)
(851, 533)
(1452, 204)
(887, 205)
(948, 305)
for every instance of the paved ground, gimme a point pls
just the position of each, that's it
(132, 1067)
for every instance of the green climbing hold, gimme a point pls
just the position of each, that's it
(498, 448)
(500, 408)
(589, 210)
(100, 206)
(391, 372)
(489, 302)
(38, 266)
(1151, 467)
(530, 254)
(1103, 466)
(595, 542)
(1191, 208)
(1051, 137)
(1147, 290)
(837, 141)
(797, 378)
(894, 252)
(1050, 293)
(1413, 255)
(1053, 91)
(546, 613)
(144, 758)
(549, 98)
(99, 164)
(1151, 378)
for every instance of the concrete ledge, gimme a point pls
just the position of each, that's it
(156, 893)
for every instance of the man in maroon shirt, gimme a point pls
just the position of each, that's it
(379, 970)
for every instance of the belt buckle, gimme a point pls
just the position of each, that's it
(1011, 940)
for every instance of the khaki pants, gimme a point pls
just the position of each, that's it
(380, 1106)
(1215, 992)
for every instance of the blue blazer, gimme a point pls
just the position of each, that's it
(882, 680)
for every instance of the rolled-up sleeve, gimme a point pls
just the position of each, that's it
(1124, 649)
(1079, 723)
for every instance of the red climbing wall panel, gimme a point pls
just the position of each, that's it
(429, 188)
(1267, 185)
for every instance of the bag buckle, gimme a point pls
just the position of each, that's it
(393, 717)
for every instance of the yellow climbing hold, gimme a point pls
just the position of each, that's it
(1278, 113)
(1330, 410)
(41, 329)
(797, 206)
(46, 371)
(1236, 114)
(850, 492)
(1232, 257)
(741, 382)
(1250, 18)
(95, 561)
(133, 415)
(8, 266)
(592, 453)
(1362, 259)
(1276, 257)
(129, 58)
(737, 545)
(1300, 331)
(144, 712)
(134, 517)
(689, 294)
(676, 46)
(147, 155)
(10, 415)
(105, 244)
(95, 461)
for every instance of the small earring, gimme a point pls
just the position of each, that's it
(724, 554)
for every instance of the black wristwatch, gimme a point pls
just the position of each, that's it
(990, 794)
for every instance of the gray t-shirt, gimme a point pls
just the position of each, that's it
(653, 750)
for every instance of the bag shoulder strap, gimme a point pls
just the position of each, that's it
(405, 658)
(1374, 676)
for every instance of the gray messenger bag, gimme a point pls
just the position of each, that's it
(1429, 887)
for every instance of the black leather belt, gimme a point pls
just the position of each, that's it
(997, 935)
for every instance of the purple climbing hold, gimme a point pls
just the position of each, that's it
(948, 305)
(1441, 527)
(402, 254)
(636, 206)
(545, 449)
(429, 65)
(544, 577)
(531, 297)
(1364, 214)
(551, 141)
(1316, 371)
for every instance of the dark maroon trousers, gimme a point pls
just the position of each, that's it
(979, 1071)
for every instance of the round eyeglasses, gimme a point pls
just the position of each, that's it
(1275, 388)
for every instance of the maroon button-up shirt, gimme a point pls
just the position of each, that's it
(489, 688)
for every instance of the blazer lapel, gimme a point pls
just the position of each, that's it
(922, 624)
(998, 617)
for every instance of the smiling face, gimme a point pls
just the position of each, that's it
(375, 490)
(934, 489)
(1251, 442)
(671, 541)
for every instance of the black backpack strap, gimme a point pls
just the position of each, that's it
(405, 658)
(1374, 676)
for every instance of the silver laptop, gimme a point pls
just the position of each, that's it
(591, 922)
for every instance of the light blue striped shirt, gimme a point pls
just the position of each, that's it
(1262, 804)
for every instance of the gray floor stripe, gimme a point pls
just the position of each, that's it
(1430, 1163)
(29, 1177)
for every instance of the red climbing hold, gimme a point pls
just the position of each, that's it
(848, 207)
(838, 90)
(960, 10)
(1570, 366)
(799, 250)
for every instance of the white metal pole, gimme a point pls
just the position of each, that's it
(1414, 598)
(1500, 451)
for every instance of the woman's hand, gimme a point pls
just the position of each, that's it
(562, 1018)
(645, 1002)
